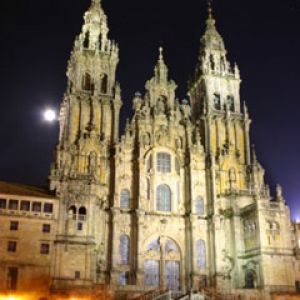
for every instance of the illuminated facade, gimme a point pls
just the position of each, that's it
(178, 201)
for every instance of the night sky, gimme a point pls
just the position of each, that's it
(263, 37)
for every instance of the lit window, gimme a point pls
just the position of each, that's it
(14, 225)
(13, 204)
(37, 206)
(2, 203)
(163, 198)
(46, 228)
(164, 162)
(48, 208)
(25, 206)
(125, 199)
(12, 246)
(45, 248)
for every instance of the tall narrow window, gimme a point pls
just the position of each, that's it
(125, 199)
(124, 249)
(82, 213)
(104, 83)
(217, 101)
(152, 272)
(199, 206)
(163, 198)
(212, 62)
(201, 254)
(230, 101)
(72, 212)
(12, 278)
(163, 162)
(87, 83)
(86, 42)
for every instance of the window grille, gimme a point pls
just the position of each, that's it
(164, 162)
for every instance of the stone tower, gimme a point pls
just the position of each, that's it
(81, 174)
(239, 202)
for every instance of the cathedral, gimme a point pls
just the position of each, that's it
(178, 202)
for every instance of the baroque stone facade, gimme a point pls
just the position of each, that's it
(179, 201)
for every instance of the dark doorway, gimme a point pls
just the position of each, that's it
(12, 278)
(250, 280)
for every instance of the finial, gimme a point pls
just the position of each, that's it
(161, 53)
(210, 20)
(210, 14)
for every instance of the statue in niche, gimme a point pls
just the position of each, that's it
(228, 264)
(179, 143)
(147, 139)
(160, 105)
(279, 192)
(93, 163)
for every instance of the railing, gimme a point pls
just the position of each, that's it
(150, 295)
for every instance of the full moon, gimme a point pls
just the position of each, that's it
(50, 115)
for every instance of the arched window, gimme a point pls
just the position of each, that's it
(170, 247)
(125, 199)
(249, 279)
(82, 213)
(72, 212)
(163, 162)
(201, 254)
(87, 83)
(199, 206)
(104, 83)
(163, 198)
(86, 42)
(124, 249)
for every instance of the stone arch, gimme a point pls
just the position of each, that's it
(104, 83)
(250, 279)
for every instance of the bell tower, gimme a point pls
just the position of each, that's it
(215, 100)
(82, 172)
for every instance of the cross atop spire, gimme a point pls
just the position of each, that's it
(210, 20)
(161, 70)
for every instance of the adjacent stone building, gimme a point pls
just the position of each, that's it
(178, 201)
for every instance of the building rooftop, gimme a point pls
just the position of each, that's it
(24, 190)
